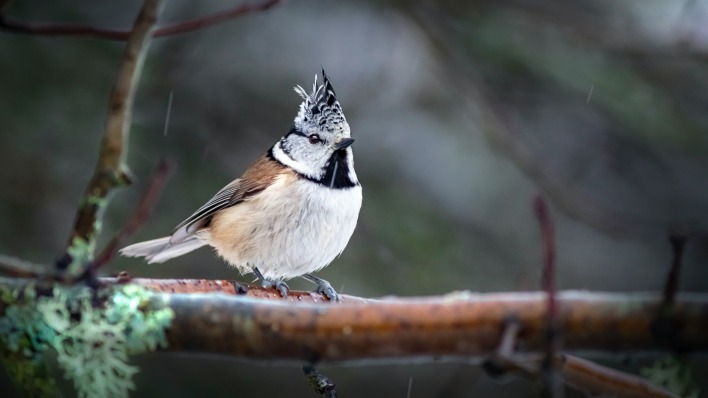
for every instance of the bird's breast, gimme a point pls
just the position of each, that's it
(293, 227)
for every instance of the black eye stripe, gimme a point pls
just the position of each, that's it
(295, 131)
(312, 138)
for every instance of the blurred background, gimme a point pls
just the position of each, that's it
(462, 112)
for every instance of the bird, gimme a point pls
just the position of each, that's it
(293, 210)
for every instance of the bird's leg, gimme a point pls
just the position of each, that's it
(281, 286)
(323, 287)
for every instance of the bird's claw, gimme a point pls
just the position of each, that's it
(268, 283)
(280, 286)
(326, 289)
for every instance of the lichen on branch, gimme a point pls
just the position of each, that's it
(93, 332)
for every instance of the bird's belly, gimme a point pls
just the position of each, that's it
(287, 232)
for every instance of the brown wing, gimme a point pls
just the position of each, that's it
(255, 179)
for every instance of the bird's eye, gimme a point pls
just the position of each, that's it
(314, 138)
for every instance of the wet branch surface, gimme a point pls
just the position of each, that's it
(248, 322)
(454, 327)
(253, 323)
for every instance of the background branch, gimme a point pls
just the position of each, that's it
(48, 29)
(577, 373)
(142, 213)
(19, 268)
(596, 379)
(552, 386)
(111, 172)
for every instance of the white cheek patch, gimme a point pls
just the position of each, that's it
(301, 168)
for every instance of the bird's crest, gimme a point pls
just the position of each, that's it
(320, 109)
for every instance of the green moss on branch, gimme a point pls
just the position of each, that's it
(92, 332)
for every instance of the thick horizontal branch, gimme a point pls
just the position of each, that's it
(460, 326)
(248, 322)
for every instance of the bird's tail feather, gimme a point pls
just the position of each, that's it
(161, 250)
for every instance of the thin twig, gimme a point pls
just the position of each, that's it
(18, 268)
(216, 18)
(595, 379)
(140, 215)
(582, 375)
(553, 386)
(49, 29)
(511, 330)
(504, 361)
(111, 171)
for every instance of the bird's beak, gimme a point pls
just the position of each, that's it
(343, 143)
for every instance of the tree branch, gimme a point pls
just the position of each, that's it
(580, 374)
(553, 386)
(459, 326)
(18, 268)
(48, 29)
(189, 286)
(596, 379)
(142, 213)
(111, 172)
(216, 18)
(249, 322)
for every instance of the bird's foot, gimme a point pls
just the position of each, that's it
(326, 288)
(281, 286)
(268, 283)
(323, 287)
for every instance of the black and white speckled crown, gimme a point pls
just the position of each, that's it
(320, 110)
